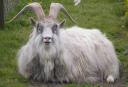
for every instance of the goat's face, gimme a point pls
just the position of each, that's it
(47, 33)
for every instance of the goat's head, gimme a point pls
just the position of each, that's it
(45, 27)
(46, 30)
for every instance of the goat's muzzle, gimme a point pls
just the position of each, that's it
(47, 40)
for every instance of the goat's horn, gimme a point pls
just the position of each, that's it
(35, 7)
(55, 8)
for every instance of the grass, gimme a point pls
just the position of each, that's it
(106, 15)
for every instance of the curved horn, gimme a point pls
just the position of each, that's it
(35, 7)
(55, 8)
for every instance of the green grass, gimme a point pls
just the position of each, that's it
(107, 15)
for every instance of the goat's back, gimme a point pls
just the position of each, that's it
(88, 53)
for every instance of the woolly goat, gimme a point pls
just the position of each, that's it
(54, 53)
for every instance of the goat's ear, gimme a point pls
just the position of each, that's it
(33, 22)
(62, 23)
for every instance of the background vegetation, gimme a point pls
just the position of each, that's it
(110, 16)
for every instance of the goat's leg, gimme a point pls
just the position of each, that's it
(23, 61)
(25, 56)
(41, 72)
(36, 70)
(113, 73)
(60, 72)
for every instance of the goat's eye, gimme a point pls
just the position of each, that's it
(54, 28)
(40, 29)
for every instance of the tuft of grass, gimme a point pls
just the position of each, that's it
(106, 15)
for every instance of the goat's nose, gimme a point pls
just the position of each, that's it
(47, 39)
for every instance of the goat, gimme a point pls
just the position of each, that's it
(54, 53)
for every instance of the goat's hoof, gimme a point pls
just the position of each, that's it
(110, 79)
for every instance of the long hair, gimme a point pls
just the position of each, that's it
(78, 55)
(89, 55)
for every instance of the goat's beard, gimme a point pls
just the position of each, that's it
(47, 52)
